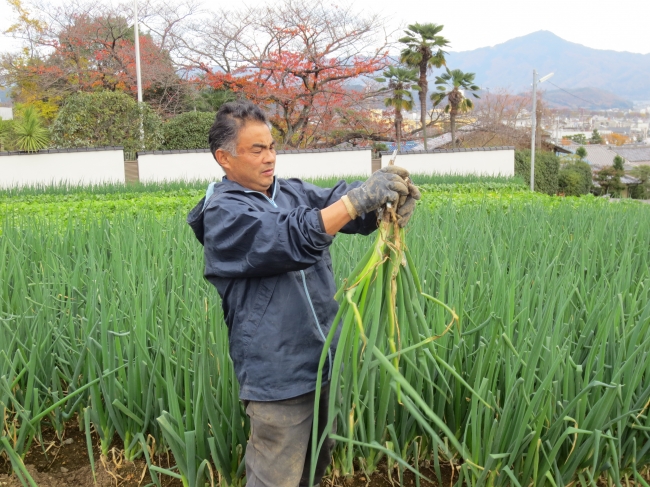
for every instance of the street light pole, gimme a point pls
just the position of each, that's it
(533, 126)
(138, 75)
(137, 53)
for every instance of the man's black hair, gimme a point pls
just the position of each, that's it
(230, 119)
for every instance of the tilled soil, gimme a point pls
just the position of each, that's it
(65, 462)
(59, 463)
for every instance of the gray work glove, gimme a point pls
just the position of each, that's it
(407, 204)
(385, 185)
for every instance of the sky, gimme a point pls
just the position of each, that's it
(621, 25)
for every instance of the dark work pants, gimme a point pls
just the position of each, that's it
(278, 453)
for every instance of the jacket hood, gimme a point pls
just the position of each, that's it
(195, 216)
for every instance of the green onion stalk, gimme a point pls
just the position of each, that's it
(381, 307)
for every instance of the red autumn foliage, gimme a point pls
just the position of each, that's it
(305, 97)
(91, 53)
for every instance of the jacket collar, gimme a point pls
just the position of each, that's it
(226, 185)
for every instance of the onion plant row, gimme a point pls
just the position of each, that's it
(108, 326)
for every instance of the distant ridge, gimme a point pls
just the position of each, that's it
(510, 65)
(591, 98)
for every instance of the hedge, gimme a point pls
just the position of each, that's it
(574, 179)
(106, 118)
(547, 167)
(188, 131)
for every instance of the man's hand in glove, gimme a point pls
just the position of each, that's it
(407, 204)
(386, 185)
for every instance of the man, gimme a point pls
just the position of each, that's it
(266, 246)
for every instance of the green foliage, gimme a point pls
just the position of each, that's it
(449, 85)
(547, 168)
(618, 163)
(106, 118)
(578, 138)
(400, 82)
(581, 152)
(595, 138)
(574, 178)
(6, 130)
(423, 46)
(609, 179)
(569, 182)
(642, 173)
(188, 131)
(29, 133)
(423, 51)
(638, 192)
(508, 187)
(210, 100)
(66, 191)
(116, 310)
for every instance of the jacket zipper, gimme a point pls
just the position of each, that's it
(304, 283)
(320, 330)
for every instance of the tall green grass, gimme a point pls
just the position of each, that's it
(63, 188)
(546, 380)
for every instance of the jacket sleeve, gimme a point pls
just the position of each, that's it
(323, 197)
(241, 241)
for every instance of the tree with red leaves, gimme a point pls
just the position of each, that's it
(299, 60)
(91, 48)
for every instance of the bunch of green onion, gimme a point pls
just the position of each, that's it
(382, 297)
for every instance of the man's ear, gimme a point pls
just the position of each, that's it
(223, 158)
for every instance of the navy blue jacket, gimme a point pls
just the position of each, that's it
(269, 259)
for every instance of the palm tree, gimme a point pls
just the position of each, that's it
(29, 132)
(423, 51)
(450, 85)
(400, 81)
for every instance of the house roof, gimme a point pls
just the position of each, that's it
(603, 155)
(636, 155)
(597, 155)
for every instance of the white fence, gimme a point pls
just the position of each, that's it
(179, 165)
(57, 166)
(6, 113)
(93, 166)
(185, 165)
(485, 161)
(324, 163)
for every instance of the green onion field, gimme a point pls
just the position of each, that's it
(107, 325)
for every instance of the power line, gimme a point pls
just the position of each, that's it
(569, 93)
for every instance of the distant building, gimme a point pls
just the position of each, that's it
(600, 156)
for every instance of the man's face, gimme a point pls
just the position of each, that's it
(254, 165)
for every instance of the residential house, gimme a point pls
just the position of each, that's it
(600, 156)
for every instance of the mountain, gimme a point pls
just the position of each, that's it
(591, 98)
(510, 65)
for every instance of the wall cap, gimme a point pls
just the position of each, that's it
(296, 151)
(63, 151)
(443, 151)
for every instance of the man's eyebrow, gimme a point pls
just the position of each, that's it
(263, 146)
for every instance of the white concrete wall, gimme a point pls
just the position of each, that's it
(6, 113)
(74, 168)
(478, 162)
(190, 166)
(185, 166)
(323, 164)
